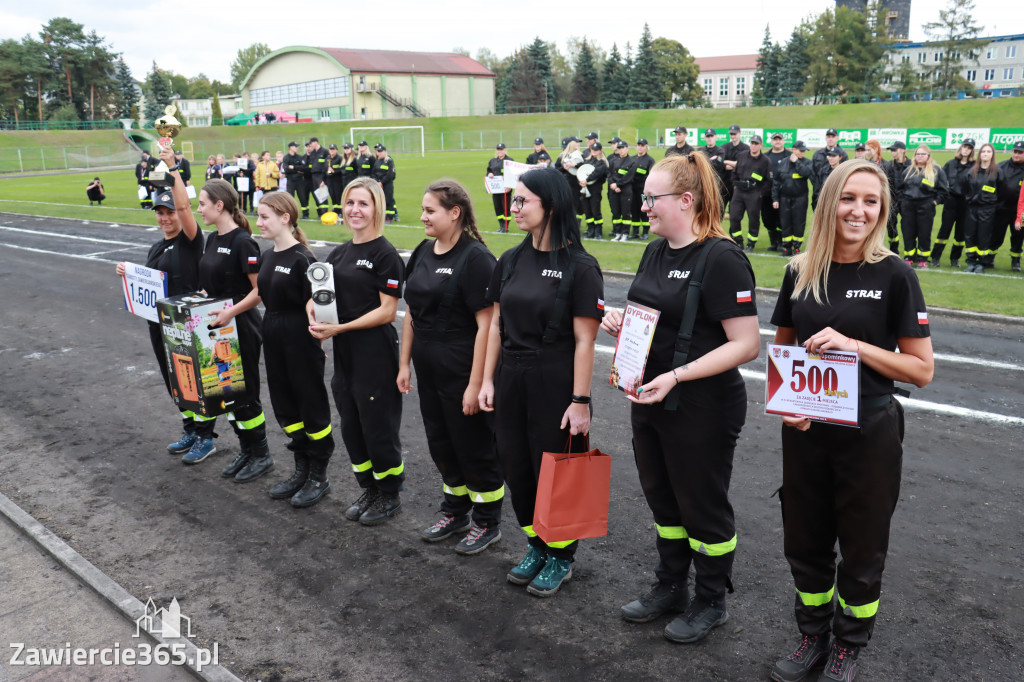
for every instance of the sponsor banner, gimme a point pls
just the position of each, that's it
(850, 137)
(814, 138)
(695, 136)
(933, 138)
(788, 136)
(886, 136)
(956, 136)
(1003, 138)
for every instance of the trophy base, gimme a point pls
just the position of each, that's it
(161, 176)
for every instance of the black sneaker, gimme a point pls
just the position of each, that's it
(661, 599)
(478, 539)
(384, 507)
(364, 502)
(445, 527)
(842, 663)
(750, 248)
(807, 656)
(697, 621)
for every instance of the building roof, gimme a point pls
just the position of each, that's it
(393, 61)
(739, 62)
(991, 39)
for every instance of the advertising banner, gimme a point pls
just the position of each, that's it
(1003, 138)
(788, 136)
(956, 136)
(851, 137)
(886, 136)
(814, 138)
(933, 138)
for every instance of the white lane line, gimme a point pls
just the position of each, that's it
(57, 253)
(70, 236)
(100, 253)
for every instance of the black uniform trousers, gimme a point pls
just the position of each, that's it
(841, 484)
(892, 227)
(298, 187)
(335, 184)
(503, 209)
(389, 201)
(1004, 219)
(640, 219)
(532, 390)
(954, 216)
(295, 378)
(156, 338)
(314, 185)
(793, 216)
(578, 200)
(684, 458)
(916, 218)
(461, 446)
(365, 369)
(746, 201)
(980, 233)
(771, 219)
(621, 205)
(148, 201)
(592, 209)
(248, 420)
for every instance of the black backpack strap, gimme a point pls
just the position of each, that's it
(694, 284)
(553, 328)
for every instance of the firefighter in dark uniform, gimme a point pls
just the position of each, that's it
(384, 173)
(833, 157)
(621, 171)
(184, 167)
(364, 160)
(316, 163)
(228, 269)
(820, 163)
(448, 318)
(567, 166)
(548, 302)
(716, 155)
(954, 211)
(294, 359)
(592, 137)
(687, 416)
(644, 162)
(681, 147)
(751, 173)
(293, 167)
(333, 177)
(368, 275)
(769, 213)
(733, 148)
(540, 154)
(142, 169)
(789, 196)
(496, 168)
(980, 187)
(1010, 184)
(842, 484)
(923, 188)
(349, 168)
(594, 185)
(897, 169)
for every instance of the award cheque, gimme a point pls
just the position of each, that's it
(823, 387)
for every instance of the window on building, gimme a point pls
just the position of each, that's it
(709, 86)
(300, 92)
(990, 53)
(1011, 51)
(1008, 74)
(922, 57)
(937, 57)
(741, 85)
(990, 74)
(972, 75)
(887, 80)
(906, 59)
(723, 87)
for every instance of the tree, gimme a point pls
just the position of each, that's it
(614, 79)
(646, 82)
(906, 80)
(217, 115)
(99, 72)
(158, 93)
(127, 89)
(585, 85)
(538, 51)
(561, 70)
(491, 60)
(244, 61)
(12, 78)
(63, 40)
(795, 63)
(520, 86)
(37, 69)
(678, 72)
(767, 78)
(134, 116)
(955, 36)
(845, 54)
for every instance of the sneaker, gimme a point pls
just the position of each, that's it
(527, 569)
(955, 263)
(749, 248)
(809, 654)
(200, 450)
(786, 251)
(446, 526)
(661, 599)
(842, 663)
(478, 539)
(183, 444)
(360, 506)
(697, 621)
(936, 263)
(1015, 265)
(384, 507)
(555, 572)
(922, 265)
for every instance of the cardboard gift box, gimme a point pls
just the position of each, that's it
(205, 364)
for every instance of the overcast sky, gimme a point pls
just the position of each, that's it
(203, 36)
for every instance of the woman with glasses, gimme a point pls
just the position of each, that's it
(924, 187)
(688, 413)
(548, 302)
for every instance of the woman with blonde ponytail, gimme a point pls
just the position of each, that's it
(688, 413)
(445, 333)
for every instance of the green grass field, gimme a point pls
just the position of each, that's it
(64, 196)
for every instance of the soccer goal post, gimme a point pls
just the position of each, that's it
(391, 139)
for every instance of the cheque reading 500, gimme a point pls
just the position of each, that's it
(814, 380)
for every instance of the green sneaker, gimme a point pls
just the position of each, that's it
(528, 568)
(556, 571)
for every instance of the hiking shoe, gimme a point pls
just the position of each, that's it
(360, 506)
(383, 508)
(527, 569)
(478, 539)
(183, 444)
(200, 450)
(842, 663)
(661, 599)
(555, 572)
(697, 621)
(807, 656)
(237, 464)
(445, 527)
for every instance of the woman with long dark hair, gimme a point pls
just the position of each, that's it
(980, 197)
(954, 210)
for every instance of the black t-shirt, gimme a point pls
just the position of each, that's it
(428, 281)
(361, 273)
(528, 299)
(877, 304)
(282, 281)
(185, 278)
(661, 283)
(228, 261)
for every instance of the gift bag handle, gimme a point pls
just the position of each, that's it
(586, 444)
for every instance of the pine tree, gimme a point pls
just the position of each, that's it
(956, 35)
(134, 116)
(627, 72)
(217, 116)
(584, 82)
(158, 93)
(645, 85)
(795, 65)
(769, 64)
(614, 79)
(541, 57)
(520, 88)
(127, 91)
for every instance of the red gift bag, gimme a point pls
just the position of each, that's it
(572, 495)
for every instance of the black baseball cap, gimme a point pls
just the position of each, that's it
(896, 145)
(1018, 146)
(756, 139)
(293, 144)
(379, 147)
(596, 146)
(573, 138)
(970, 142)
(778, 136)
(681, 129)
(565, 141)
(501, 145)
(799, 144)
(835, 151)
(347, 145)
(643, 141)
(364, 143)
(709, 132)
(861, 148)
(164, 199)
(831, 131)
(312, 140)
(615, 140)
(622, 144)
(539, 140)
(734, 128)
(332, 146)
(592, 136)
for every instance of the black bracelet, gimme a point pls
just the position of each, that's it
(581, 399)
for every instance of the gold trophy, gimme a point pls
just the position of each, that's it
(168, 127)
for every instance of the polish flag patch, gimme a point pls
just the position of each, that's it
(392, 284)
(922, 318)
(743, 296)
(600, 304)
(252, 260)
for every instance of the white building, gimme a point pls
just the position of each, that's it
(727, 81)
(198, 113)
(997, 72)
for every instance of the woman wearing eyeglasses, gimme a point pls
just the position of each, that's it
(548, 302)
(689, 412)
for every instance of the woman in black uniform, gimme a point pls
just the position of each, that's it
(228, 270)
(548, 302)
(980, 197)
(594, 185)
(445, 335)
(842, 483)
(495, 168)
(178, 255)
(923, 187)
(693, 403)
(294, 360)
(368, 275)
(954, 211)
